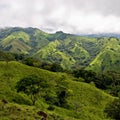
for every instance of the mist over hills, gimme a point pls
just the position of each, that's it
(97, 52)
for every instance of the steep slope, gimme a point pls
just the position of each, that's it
(52, 53)
(16, 42)
(86, 101)
(108, 59)
(22, 40)
(70, 51)
(40, 39)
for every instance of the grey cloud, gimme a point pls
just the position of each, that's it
(57, 14)
(105, 7)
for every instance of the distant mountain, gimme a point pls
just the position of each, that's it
(97, 52)
(109, 58)
(102, 35)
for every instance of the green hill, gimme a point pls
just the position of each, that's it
(70, 51)
(86, 102)
(108, 59)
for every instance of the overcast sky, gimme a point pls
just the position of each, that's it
(72, 16)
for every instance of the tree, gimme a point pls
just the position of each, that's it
(6, 56)
(87, 75)
(56, 67)
(62, 92)
(113, 109)
(30, 61)
(32, 86)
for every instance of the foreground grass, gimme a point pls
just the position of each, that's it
(86, 102)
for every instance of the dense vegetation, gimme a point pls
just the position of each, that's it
(65, 76)
(65, 98)
(113, 109)
(99, 54)
(110, 81)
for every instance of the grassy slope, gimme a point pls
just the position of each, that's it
(67, 52)
(52, 53)
(16, 42)
(86, 101)
(108, 59)
(101, 54)
(40, 39)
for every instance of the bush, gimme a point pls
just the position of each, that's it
(113, 109)
(51, 107)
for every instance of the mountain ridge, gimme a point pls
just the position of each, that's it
(69, 50)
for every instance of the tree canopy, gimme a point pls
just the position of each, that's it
(32, 86)
(113, 109)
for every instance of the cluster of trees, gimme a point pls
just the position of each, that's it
(36, 87)
(6, 56)
(109, 81)
(32, 86)
(112, 109)
(55, 67)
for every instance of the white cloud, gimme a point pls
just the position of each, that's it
(74, 16)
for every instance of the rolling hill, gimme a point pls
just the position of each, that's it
(97, 53)
(108, 57)
(86, 102)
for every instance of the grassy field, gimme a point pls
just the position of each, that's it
(86, 102)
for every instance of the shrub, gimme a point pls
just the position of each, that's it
(51, 107)
(113, 109)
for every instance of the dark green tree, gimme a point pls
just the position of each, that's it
(30, 61)
(87, 75)
(6, 56)
(62, 92)
(113, 109)
(56, 67)
(32, 86)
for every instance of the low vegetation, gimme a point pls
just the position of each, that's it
(66, 98)
(58, 76)
(98, 54)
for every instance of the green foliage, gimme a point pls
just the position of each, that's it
(82, 101)
(113, 109)
(19, 112)
(109, 81)
(51, 108)
(16, 42)
(69, 51)
(102, 81)
(32, 85)
(56, 68)
(21, 99)
(62, 87)
(61, 95)
(30, 61)
(40, 64)
(108, 58)
(87, 75)
(5, 56)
